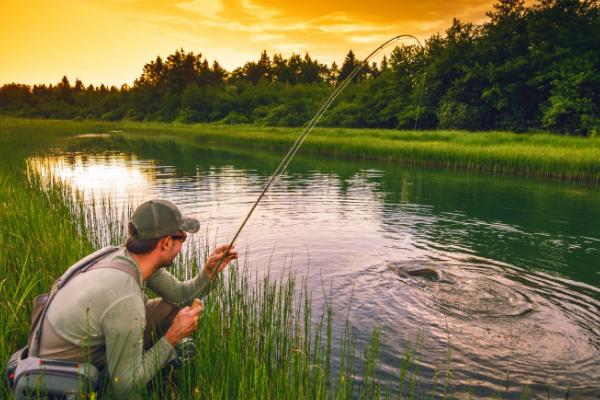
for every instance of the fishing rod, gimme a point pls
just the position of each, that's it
(308, 128)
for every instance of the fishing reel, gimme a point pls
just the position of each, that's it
(186, 352)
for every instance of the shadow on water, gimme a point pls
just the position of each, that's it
(509, 275)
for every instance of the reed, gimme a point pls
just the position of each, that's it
(538, 155)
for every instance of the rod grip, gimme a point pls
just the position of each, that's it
(196, 303)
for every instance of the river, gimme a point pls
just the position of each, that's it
(516, 296)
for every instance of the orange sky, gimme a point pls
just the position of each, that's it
(109, 41)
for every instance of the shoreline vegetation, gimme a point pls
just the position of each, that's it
(541, 155)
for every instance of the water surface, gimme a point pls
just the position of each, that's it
(517, 301)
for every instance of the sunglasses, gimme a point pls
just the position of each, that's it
(181, 237)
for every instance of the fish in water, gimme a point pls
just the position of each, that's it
(414, 269)
(427, 273)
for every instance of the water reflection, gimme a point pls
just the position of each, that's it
(109, 175)
(512, 254)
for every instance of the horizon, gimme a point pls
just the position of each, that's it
(140, 30)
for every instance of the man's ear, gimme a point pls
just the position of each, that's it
(163, 244)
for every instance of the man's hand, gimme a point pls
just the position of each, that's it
(184, 323)
(212, 267)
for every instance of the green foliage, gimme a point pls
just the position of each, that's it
(456, 115)
(234, 118)
(345, 114)
(570, 106)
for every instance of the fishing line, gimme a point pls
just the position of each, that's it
(309, 127)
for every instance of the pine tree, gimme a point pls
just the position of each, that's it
(349, 65)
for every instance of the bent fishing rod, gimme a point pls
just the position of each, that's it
(308, 128)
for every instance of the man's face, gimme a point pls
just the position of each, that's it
(171, 248)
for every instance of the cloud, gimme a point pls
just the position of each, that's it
(325, 29)
(369, 39)
(349, 28)
(266, 37)
(375, 11)
(209, 8)
(292, 47)
(259, 11)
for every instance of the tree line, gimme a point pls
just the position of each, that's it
(525, 68)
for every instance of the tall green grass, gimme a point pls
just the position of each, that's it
(38, 238)
(526, 154)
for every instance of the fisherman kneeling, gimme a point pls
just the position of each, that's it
(103, 316)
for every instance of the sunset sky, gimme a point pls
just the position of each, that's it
(109, 41)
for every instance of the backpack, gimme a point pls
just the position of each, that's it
(29, 375)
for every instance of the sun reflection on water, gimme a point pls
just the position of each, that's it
(118, 175)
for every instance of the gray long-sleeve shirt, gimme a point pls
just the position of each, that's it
(103, 311)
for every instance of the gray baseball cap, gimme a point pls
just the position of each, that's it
(158, 218)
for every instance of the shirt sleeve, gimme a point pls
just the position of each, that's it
(177, 292)
(129, 367)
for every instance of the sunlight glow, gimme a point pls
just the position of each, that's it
(119, 176)
(109, 42)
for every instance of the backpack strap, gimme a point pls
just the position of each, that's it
(84, 263)
(121, 265)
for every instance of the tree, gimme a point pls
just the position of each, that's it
(15, 96)
(64, 90)
(152, 73)
(78, 87)
(333, 74)
(218, 74)
(254, 72)
(350, 64)
(311, 71)
(384, 64)
(570, 107)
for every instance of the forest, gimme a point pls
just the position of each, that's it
(527, 68)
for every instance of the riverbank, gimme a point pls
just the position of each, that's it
(523, 154)
(539, 155)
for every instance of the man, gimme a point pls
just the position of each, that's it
(103, 315)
